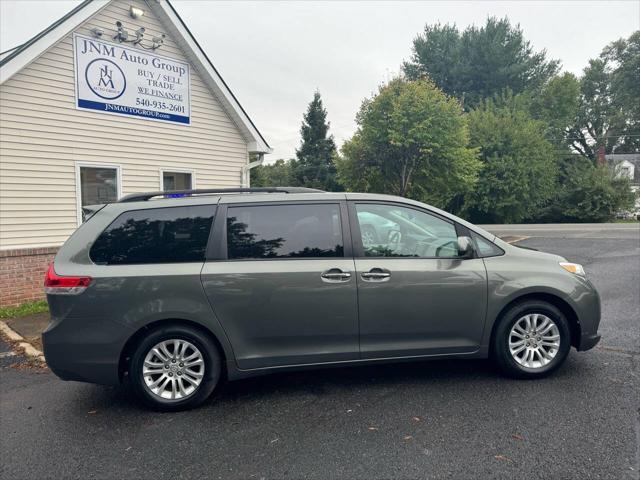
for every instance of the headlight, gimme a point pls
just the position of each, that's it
(573, 268)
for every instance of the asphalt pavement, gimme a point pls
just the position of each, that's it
(629, 230)
(425, 420)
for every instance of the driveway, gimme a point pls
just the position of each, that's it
(427, 420)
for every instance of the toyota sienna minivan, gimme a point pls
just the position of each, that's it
(171, 292)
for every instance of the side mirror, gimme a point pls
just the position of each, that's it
(465, 247)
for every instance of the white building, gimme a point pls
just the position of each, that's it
(114, 98)
(627, 165)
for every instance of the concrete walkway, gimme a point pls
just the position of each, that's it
(30, 327)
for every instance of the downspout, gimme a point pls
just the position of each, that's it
(246, 176)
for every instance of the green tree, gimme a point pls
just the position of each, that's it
(480, 61)
(609, 111)
(588, 193)
(411, 141)
(315, 167)
(277, 174)
(556, 104)
(518, 175)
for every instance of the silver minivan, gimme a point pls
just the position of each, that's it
(171, 292)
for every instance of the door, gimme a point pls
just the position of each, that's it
(284, 287)
(416, 297)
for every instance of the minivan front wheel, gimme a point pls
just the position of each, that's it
(531, 340)
(174, 367)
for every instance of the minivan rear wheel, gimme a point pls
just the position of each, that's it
(531, 340)
(175, 367)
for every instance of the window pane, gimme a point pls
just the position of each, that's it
(392, 231)
(282, 231)
(176, 181)
(98, 185)
(484, 247)
(158, 235)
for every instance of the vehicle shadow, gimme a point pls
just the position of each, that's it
(344, 382)
(403, 378)
(343, 379)
(325, 380)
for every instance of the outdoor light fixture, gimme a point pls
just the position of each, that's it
(97, 32)
(121, 35)
(135, 12)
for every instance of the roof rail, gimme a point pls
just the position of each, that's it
(137, 197)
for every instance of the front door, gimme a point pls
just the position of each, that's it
(285, 292)
(416, 297)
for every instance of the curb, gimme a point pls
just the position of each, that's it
(29, 350)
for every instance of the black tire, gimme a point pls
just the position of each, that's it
(212, 367)
(500, 345)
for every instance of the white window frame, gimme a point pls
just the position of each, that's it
(78, 166)
(177, 170)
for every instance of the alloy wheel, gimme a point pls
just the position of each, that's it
(534, 340)
(173, 369)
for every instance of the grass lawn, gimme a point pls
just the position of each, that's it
(25, 309)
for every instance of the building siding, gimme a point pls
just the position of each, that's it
(43, 136)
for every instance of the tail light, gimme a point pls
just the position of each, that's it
(54, 284)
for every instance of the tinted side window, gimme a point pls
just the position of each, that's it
(157, 235)
(394, 231)
(284, 231)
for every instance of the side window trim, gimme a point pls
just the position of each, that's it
(356, 235)
(358, 248)
(347, 238)
(217, 245)
(217, 249)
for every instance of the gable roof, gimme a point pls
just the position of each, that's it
(14, 60)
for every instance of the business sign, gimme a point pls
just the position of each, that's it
(129, 81)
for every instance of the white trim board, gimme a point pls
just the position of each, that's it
(256, 144)
(53, 36)
(170, 19)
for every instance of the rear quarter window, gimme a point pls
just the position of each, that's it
(155, 235)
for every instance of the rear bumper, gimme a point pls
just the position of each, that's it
(85, 350)
(587, 342)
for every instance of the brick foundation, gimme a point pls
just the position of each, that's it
(22, 274)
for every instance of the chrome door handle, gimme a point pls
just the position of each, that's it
(335, 275)
(376, 274)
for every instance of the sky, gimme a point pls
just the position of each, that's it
(275, 55)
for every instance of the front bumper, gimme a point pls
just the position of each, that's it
(587, 342)
(587, 306)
